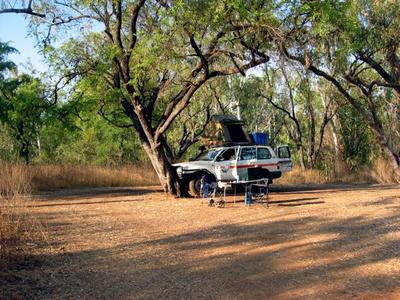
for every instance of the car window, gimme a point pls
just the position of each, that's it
(208, 156)
(248, 153)
(263, 153)
(228, 154)
(283, 152)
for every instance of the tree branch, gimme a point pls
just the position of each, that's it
(105, 117)
(203, 60)
(133, 25)
(28, 10)
(380, 70)
(325, 75)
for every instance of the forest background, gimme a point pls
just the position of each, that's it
(134, 83)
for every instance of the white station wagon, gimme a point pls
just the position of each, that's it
(231, 164)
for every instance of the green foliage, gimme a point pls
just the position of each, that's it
(78, 134)
(357, 139)
(7, 152)
(95, 142)
(5, 65)
(331, 34)
(22, 105)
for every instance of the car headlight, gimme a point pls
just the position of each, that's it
(179, 170)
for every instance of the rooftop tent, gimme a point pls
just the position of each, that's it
(225, 130)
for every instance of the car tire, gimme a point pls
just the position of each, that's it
(195, 185)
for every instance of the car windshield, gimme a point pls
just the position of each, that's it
(209, 155)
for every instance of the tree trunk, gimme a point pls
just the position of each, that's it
(335, 139)
(24, 151)
(24, 146)
(165, 172)
(300, 147)
(158, 151)
(297, 138)
(300, 150)
(385, 146)
(311, 159)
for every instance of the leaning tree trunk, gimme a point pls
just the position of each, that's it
(165, 172)
(387, 149)
(376, 126)
(156, 149)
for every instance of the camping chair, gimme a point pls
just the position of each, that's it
(213, 198)
(259, 192)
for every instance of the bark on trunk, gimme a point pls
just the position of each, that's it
(24, 152)
(165, 172)
(388, 150)
(335, 140)
(300, 150)
(157, 151)
(376, 126)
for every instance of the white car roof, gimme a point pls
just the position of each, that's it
(229, 147)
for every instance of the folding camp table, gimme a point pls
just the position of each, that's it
(259, 188)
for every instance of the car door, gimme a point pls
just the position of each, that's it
(247, 159)
(265, 159)
(225, 164)
(284, 158)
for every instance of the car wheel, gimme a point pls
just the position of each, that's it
(195, 185)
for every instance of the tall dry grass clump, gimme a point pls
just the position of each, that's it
(380, 172)
(297, 176)
(383, 172)
(16, 225)
(339, 175)
(48, 177)
(15, 179)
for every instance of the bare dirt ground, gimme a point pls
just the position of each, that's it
(315, 242)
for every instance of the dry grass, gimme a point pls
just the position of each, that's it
(383, 173)
(297, 176)
(20, 179)
(49, 177)
(16, 224)
(15, 180)
(380, 172)
(19, 230)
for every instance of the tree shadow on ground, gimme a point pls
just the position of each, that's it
(301, 257)
(89, 193)
(69, 203)
(332, 187)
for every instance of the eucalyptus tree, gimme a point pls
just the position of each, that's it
(304, 104)
(153, 55)
(355, 46)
